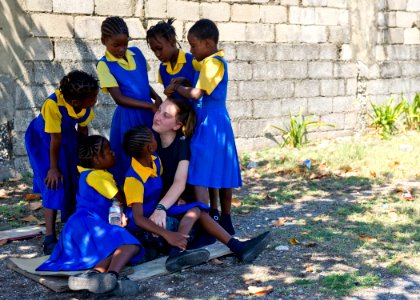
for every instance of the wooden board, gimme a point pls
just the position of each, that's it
(22, 233)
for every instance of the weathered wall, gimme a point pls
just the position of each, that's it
(327, 57)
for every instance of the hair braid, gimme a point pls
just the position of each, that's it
(113, 26)
(89, 147)
(78, 85)
(205, 29)
(163, 29)
(135, 139)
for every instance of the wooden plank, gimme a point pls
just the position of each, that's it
(30, 264)
(56, 283)
(157, 267)
(22, 233)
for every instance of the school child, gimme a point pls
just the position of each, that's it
(174, 62)
(51, 143)
(143, 187)
(214, 160)
(122, 72)
(88, 240)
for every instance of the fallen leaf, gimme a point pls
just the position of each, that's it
(394, 164)
(3, 242)
(216, 262)
(310, 270)
(31, 197)
(346, 169)
(35, 205)
(260, 290)
(252, 281)
(296, 170)
(236, 202)
(279, 222)
(31, 218)
(323, 166)
(293, 241)
(372, 173)
(367, 238)
(315, 176)
(407, 196)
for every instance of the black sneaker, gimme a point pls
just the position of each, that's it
(226, 223)
(254, 247)
(185, 259)
(126, 287)
(93, 281)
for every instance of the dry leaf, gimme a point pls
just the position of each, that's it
(30, 218)
(31, 197)
(315, 176)
(216, 262)
(394, 164)
(373, 173)
(3, 242)
(323, 166)
(407, 196)
(279, 222)
(296, 170)
(346, 169)
(35, 205)
(310, 270)
(293, 241)
(236, 202)
(260, 290)
(3, 193)
(367, 238)
(252, 281)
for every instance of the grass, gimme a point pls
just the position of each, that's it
(343, 283)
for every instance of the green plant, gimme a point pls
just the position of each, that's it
(295, 133)
(412, 113)
(386, 116)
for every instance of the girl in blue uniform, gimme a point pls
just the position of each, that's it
(51, 142)
(174, 62)
(88, 240)
(122, 72)
(214, 160)
(143, 187)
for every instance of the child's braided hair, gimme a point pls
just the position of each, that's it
(163, 29)
(135, 140)
(113, 26)
(205, 29)
(78, 85)
(89, 147)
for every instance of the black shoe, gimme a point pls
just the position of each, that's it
(49, 244)
(93, 281)
(226, 223)
(126, 287)
(254, 247)
(185, 259)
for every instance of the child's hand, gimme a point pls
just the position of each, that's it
(53, 178)
(177, 239)
(159, 218)
(178, 80)
(170, 89)
(124, 220)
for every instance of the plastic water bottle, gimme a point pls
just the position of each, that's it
(114, 216)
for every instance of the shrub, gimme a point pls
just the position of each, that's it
(412, 113)
(386, 116)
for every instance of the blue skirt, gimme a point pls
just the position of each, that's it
(86, 240)
(214, 160)
(124, 119)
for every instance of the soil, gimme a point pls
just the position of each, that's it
(275, 269)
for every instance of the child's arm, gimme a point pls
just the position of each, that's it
(82, 131)
(172, 195)
(173, 238)
(54, 175)
(120, 99)
(155, 96)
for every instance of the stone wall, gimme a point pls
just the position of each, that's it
(326, 57)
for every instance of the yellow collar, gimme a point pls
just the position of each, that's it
(70, 109)
(220, 53)
(82, 169)
(179, 62)
(122, 61)
(144, 172)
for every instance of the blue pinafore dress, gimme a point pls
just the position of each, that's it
(187, 71)
(37, 143)
(133, 84)
(214, 160)
(152, 193)
(87, 238)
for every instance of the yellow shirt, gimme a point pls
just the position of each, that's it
(181, 60)
(106, 79)
(101, 181)
(134, 188)
(52, 115)
(211, 73)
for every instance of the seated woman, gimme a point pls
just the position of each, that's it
(174, 122)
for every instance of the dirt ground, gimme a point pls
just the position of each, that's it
(275, 270)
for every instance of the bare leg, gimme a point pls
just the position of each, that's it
(188, 220)
(214, 198)
(50, 216)
(103, 265)
(122, 256)
(213, 228)
(202, 194)
(225, 200)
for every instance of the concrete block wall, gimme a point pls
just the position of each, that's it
(324, 57)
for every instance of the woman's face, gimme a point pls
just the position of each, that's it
(164, 120)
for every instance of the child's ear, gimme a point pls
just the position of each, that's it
(177, 126)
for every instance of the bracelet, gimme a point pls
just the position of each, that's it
(161, 207)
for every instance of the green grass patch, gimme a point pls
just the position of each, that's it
(342, 284)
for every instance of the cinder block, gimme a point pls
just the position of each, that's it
(230, 51)
(218, 12)
(307, 88)
(303, 52)
(251, 52)
(390, 70)
(249, 90)
(391, 19)
(183, 10)
(394, 35)
(245, 13)
(88, 27)
(346, 52)
(32, 97)
(289, 2)
(318, 69)
(295, 69)
(332, 87)
(327, 16)
(240, 71)
(239, 109)
(287, 33)
(314, 34)
(411, 36)
(293, 106)
(232, 93)
(251, 128)
(156, 9)
(49, 25)
(301, 16)
(280, 88)
(124, 8)
(415, 52)
(72, 50)
(335, 119)
(351, 86)
(135, 28)
(266, 109)
(37, 5)
(398, 52)
(314, 2)
(345, 70)
(328, 52)
(405, 19)
(337, 3)
(351, 120)
(259, 32)
(39, 49)
(339, 35)
(52, 72)
(413, 5)
(410, 68)
(23, 118)
(345, 104)
(139, 9)
(397, 4)
(320, 105)
(232, 32)
(73, 7)
(273, 14)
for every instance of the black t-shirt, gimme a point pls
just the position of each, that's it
(170, 157)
